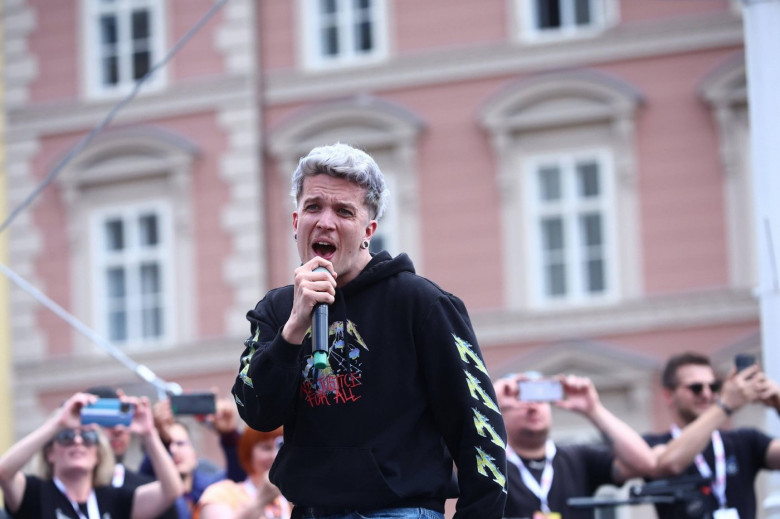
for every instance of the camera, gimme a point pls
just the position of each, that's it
(743, 360)
(107, 412)
(193, 403)
(540, 390)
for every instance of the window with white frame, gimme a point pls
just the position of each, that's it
(132, 274)
(124, 38)
(569, 218)
(543, 19)
(344, 32)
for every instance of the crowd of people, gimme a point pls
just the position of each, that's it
(402, 416)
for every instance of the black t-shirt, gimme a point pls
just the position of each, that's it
(745, 456)
(42, 500)
(134, 480)
(578, 470)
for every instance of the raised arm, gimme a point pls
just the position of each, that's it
(12, 479)
(633, 457)
(151, 499)
(738, 389)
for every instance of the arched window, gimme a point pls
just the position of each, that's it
(130, 227)
(568, 178)
(385, 131)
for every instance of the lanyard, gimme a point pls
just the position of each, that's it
(92, 507)
(539, 490)
(719, 485)
(119, 476)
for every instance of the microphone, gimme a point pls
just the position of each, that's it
(319, 332)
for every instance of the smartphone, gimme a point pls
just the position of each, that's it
(743, 360)
(107, 412)
(194, 403)
(542, 390)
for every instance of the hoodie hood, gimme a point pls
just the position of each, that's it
(381, 266)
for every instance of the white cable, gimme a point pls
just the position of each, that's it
(139, 369)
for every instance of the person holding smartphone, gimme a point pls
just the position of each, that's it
(543, 475)
(696, 443)
(119, 438)
(79, 466)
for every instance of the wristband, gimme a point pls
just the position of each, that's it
(726, 409)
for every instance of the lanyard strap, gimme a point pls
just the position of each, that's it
(539, 488)
(719, 485)
(92, 507)
(119, 476)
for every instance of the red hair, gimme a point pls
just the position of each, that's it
(250, 438)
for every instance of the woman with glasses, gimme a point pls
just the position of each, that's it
(255, 498)
(78, 467)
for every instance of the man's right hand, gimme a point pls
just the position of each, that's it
(310, 289)
(741, 388)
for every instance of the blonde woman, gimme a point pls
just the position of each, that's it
(78, 467)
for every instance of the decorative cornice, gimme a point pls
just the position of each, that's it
(624, 42)
(79, 370)
(182, 99)
(499, 328)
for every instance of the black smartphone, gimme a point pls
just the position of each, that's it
(193, 403)
(743, 360)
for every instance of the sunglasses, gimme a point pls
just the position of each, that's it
(698, 387)
(67, 438)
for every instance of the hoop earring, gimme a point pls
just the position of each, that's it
(295, 236)
(364, 244)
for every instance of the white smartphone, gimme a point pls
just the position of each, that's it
(542, 390)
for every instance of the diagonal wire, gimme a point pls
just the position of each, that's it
(141, 370)
(84, 142)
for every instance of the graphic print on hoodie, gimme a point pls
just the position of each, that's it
(340, 380)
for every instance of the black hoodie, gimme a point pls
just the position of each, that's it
(405, 393)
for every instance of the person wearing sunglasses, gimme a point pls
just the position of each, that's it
(78, 466)
(696, 445)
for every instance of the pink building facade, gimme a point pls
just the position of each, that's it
(576, 171)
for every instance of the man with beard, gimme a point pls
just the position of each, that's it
(695, 445)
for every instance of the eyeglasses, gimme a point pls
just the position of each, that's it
(698, 387)
(67, 438)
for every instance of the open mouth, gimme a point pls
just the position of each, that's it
(323, 249)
